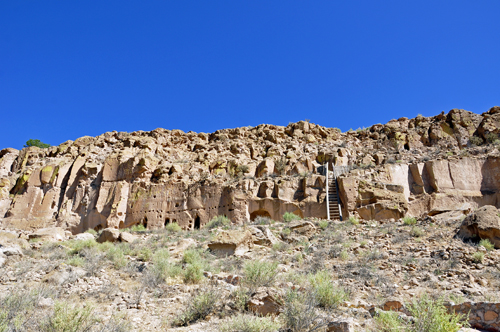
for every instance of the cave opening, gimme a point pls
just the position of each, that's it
(197, 222)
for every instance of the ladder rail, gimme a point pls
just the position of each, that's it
(333, 204)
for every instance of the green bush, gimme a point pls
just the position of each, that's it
(326, 293)
(193, 273)
(432, 316)
(417, 232)
(289, 216)
(37, 143)
(218, 221)
(161, 269)
(388, 321)
(78, 245)
(428, 316)
(249, 323)
(409, 220)
(476, 141)
(323, 224)
(260, 220)
(68, 318)
(116, 256)
(200, 305)
(76, 261)
(478, 256)
(173, 227)
(91, 231)
(192, 256)
(259, 274)
(18, 310)
(300, 313)
(487, 244)
(136, 228)
(353, 220)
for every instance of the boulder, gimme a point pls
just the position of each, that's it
(233, 242)
(344, 325)
(302, 227)
(263, 236)
(49, 234)
(83, 237)
(484, 223)
(265, 301)
(109, 235)
(11, 251)
(127, 237)
(11, 238)
(265, 168)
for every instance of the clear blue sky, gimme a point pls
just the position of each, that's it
(75, 68)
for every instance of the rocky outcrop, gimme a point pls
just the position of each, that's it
(231, 242)
(483, 223)
(115, 180)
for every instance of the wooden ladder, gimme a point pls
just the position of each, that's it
(332, 199)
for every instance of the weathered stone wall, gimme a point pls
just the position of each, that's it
(119, 179)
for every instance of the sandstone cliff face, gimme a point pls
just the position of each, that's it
(120, 179)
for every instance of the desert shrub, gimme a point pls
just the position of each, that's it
(240, 298)
(478, 256)
(280, 165)
(200, 305)
(323, 224)
(76, 261)
(280, 246)
(193, 273)
(409, 220)
(432, 316)
(242, 169)
(194, 265)
(92, 260)
(353, 220)
(289, 216)
(260, 220)
(344, 255)
(249, 323)
(476, 141)
(173, 227)
(136, 228)
(259, 274)
(116, 256)
(91, 231)
(68, 318)
(162, 268)
(388, 321)
(487, 244)
(491, 137)
(192, 256)
(326, 293)
(300, 313)
(19, 310)
(219, 221)
(78, 245)
(416, 232)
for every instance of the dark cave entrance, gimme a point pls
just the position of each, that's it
(197, 222)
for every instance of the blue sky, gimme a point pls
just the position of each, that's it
(75, 68)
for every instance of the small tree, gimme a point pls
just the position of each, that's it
(36, 142)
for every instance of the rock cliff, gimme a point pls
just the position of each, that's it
(425, 165)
